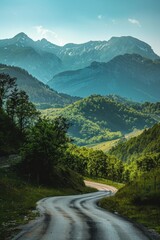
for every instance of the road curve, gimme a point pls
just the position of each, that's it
(100, 186)
(78, 218)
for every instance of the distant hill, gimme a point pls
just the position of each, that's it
(38, 92)
(97, 118)
(146, 107)
(43, 59)
(129, 75)
(146, 143)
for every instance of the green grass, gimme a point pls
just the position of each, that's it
(18, 201)
(104, 146)
(107, 145)
(105, 181)
(135, 133)
(138, 200)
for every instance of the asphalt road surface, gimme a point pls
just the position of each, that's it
(79, 218)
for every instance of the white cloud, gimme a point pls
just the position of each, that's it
(48, 34)
(99, 17)
(134, 21)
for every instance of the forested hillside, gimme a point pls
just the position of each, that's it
(98, 118)
(146, 143)
(140, 196)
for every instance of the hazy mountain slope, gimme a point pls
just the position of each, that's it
(97, 118)
(38, 92)
(22, 51)
(128, 75)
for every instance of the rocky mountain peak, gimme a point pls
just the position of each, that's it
(21, 36)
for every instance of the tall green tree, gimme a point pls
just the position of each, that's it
(10, 136)
(97, 164)
(20, 109)
(45, 146)
(7, 84)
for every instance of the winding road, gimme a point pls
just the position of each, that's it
(79, 218)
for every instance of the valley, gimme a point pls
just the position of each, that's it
(98, 118)
(76, 113)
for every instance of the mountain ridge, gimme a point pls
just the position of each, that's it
(44, 59)
(38, 92)
(130, 75)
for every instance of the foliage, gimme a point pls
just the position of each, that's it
(147, 142)
(92, 163)
(97, 119)
(43, 149)
(7, 84)
(16, 115)
(22, 112)
(150, 108)
(148, 162)
(138, 200)
(146, 107)
(10, 136)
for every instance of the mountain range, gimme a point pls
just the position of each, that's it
(44, 59)
(129, 75)
(39, 93)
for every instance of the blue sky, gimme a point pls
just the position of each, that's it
(64, 21)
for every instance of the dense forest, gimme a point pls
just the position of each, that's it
(101, 118)
(145, 144)
(146, 107)
(140, 196)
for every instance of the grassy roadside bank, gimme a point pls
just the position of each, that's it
(138, 200)
(18, 201)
